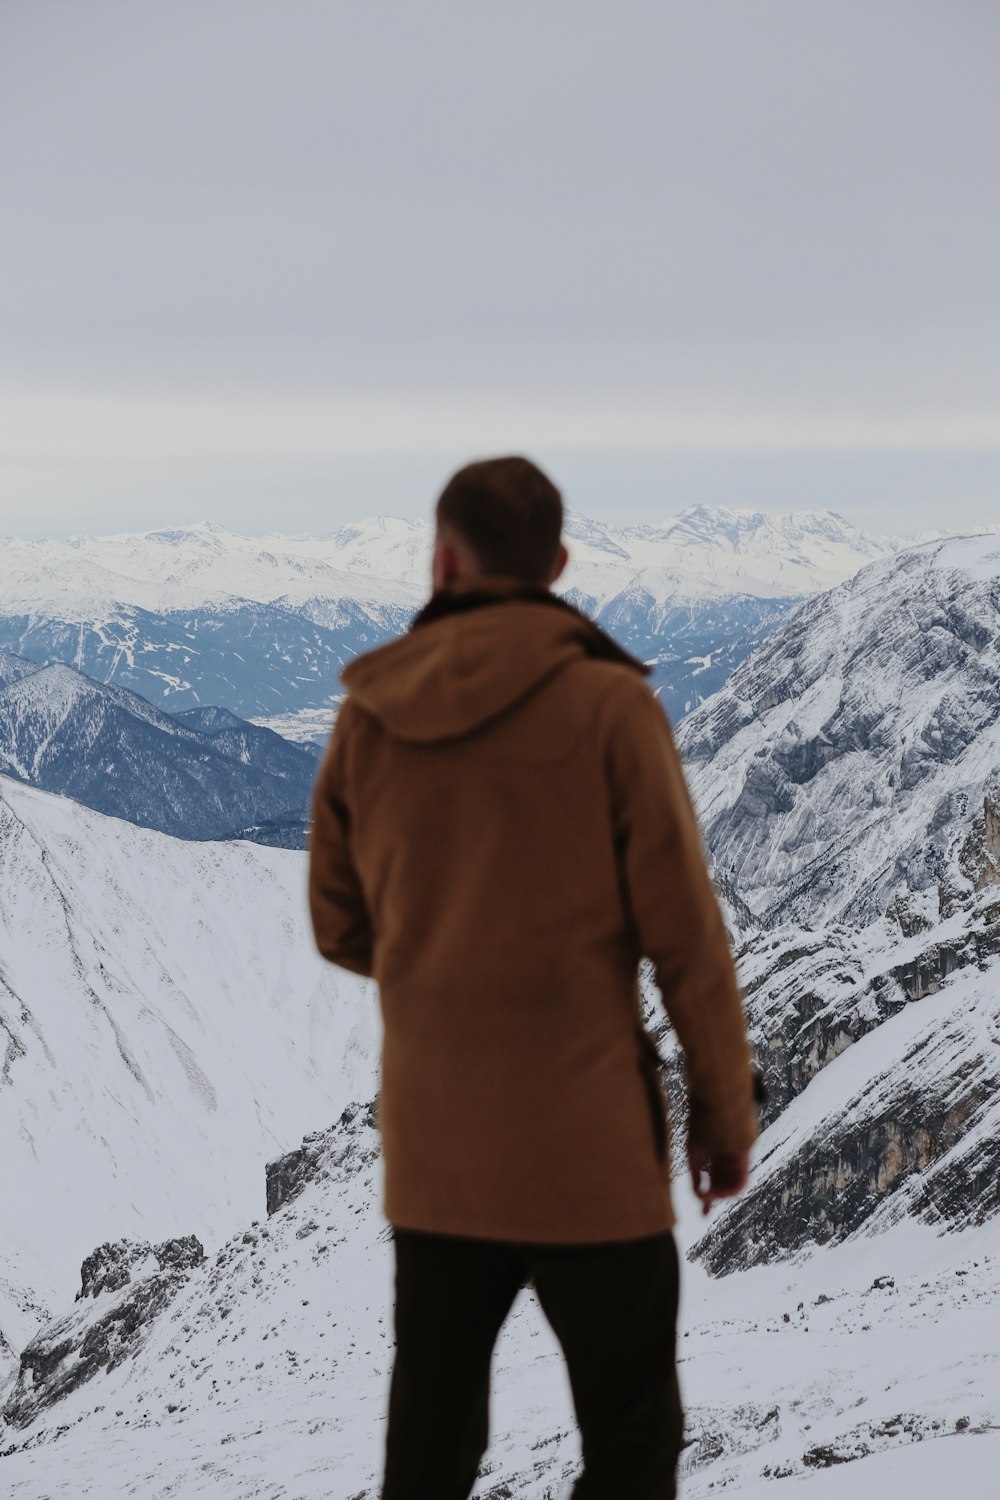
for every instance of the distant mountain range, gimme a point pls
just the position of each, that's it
(262, 625)
(204, 773)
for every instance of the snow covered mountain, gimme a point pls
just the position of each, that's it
(717, 553)
(833, 768)
(13, 668)
(194, 567)
(262, 625)
(383, 563)
(254, 659)
(848, 779)
(165, 1025)
(203, 774)
(841, 1320)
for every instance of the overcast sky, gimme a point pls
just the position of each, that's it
(285, 264)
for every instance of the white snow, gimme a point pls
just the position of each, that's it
(170, 1029)
(307, 726)
(905, 655)
(384, 564)
(169, 1026)
(276, 1359)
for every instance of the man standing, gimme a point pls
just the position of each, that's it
(501, 831)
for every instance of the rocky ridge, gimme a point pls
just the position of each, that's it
(833, 767)
(202, 774)
(128, 1283)
(864, 839)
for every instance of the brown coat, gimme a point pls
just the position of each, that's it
(501, 830)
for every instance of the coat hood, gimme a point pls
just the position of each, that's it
(475, 650)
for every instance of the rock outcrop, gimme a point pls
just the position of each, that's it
(124, 1285)
(910, 1128)
(848, 785)
(347, 1147)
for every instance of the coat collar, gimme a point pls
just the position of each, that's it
(497, 588)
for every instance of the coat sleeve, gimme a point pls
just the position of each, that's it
(340, 917)
(678, 925)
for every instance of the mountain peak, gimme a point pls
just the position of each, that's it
(58, 683)
(204, 531)
(869, 705)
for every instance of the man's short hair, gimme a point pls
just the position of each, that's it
(509, 513)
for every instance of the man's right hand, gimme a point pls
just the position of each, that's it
(717, 1174)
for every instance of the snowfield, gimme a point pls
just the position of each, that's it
(167, 1025)
(862, 1371)
(171, 1037)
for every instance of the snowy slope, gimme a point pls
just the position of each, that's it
(832, 768)
(264, 1370)
(166, 1024)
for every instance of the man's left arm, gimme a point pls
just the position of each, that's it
(340, 917)
(679, 926)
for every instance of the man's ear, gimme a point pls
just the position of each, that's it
(562, 558)
(445, 566)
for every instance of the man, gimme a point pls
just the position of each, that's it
(501, 831)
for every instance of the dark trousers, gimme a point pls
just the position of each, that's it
(613, 1308)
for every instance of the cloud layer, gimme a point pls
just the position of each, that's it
(247, 231)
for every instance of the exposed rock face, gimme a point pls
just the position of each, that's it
(810, 995)
(914, 1132)
(832, 769)
(921, 992)
(979, 857)
(827, 1170)
(343, 1150)
(113, 1265)
(848, 785)
(740, 920)
(124, 1285)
